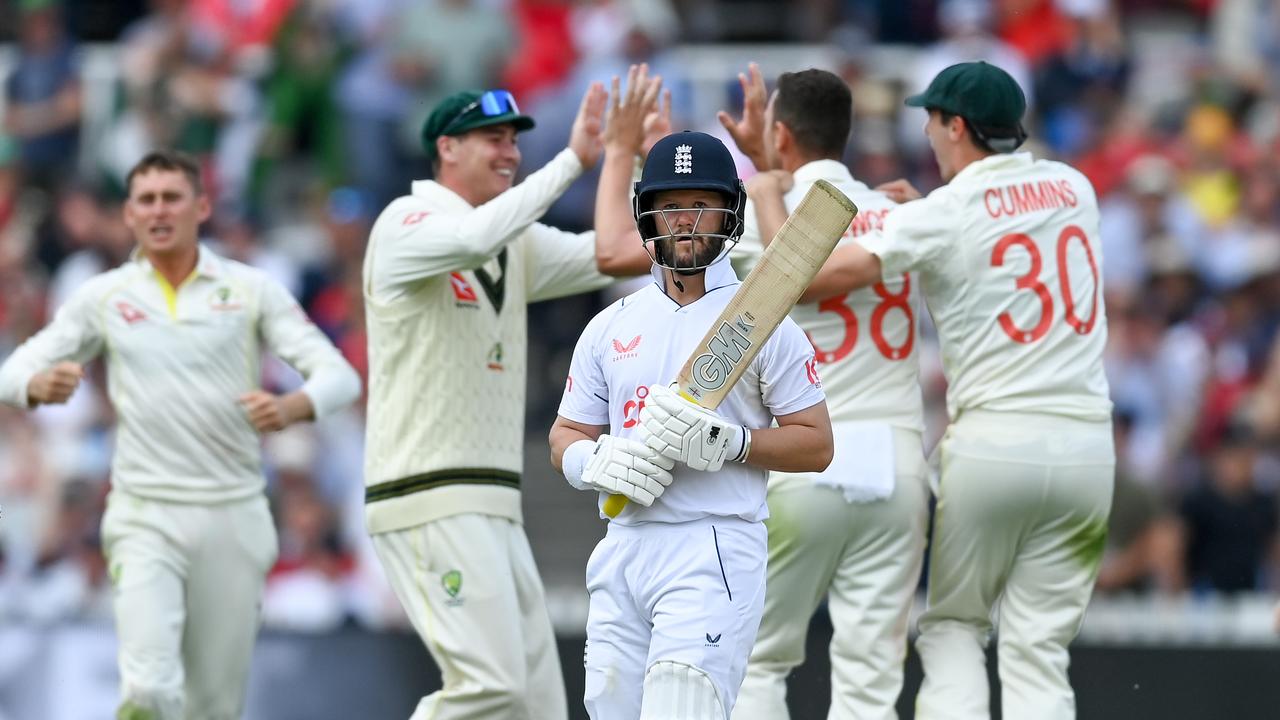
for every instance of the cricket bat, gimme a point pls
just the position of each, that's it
(765, 297)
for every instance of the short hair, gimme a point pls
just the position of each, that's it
(988, 138)
(817, 106)
(170, 161)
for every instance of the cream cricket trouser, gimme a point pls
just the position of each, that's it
(689, 593)
(865, 559)
(187, 593)
(470, 587)
(1021, 520)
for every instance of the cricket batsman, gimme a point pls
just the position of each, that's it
(677, 583)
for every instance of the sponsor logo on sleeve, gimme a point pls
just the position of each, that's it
(811, 370)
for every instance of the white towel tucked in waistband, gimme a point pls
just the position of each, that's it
(863, 467)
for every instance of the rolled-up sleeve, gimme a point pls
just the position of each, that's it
(331, 382)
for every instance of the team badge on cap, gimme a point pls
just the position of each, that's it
(684, 159)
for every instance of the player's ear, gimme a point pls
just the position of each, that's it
(446, 146)
(783, 140)
(957, 128)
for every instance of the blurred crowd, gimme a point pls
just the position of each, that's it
(305, 116)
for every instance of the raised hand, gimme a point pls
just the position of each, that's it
(585, 137)
(770, 182)
(627, 120)
(657, 124)
(55, 385)
(748, 132)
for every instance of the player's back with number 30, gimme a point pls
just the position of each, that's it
(1017, 302)
(1009, 263)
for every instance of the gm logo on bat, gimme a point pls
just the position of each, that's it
(725, 350)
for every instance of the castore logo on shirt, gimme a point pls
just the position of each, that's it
(622, 352)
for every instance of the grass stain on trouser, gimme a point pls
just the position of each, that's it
(1088, 543)
(129, 711)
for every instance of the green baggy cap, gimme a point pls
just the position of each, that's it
(467, 110)
(979, 92)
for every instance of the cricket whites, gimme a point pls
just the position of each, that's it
(767, 295)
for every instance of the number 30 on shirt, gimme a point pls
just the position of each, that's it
(1031, 281)
(900, 300)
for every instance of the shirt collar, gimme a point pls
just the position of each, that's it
(719, 274)
(435, 192)
(208, 263)
(830, 170)
(992, 163)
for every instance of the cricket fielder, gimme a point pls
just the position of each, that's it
(448, 273)
(1010, 264)
(854, 533)
(187, 533)
(677, 584)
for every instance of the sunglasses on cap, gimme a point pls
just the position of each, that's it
(492, 103)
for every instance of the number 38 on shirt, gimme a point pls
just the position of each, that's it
(1001, 253)
(889, 301)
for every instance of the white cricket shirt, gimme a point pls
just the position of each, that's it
(446, 288)
(177, 360)
(1010, 264)
(644, 339)
(865, 341)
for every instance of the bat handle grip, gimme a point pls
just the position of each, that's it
(614, 505)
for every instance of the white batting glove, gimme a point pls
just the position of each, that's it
(682, 430)
(619, 466)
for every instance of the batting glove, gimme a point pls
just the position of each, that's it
(682, 430)
(619, 466)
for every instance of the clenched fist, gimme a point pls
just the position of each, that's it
(55, 385)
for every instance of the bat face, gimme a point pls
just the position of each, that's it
(730, 347)
(767, 295)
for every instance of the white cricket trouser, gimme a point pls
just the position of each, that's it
(690, 593)
(188, 588)
(470, 586)
(1021, 519)
(865, 558)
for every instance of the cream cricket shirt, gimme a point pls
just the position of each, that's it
(1011, 264)
(644, 339)
(446, 288)
(865, 340)
(176, 363)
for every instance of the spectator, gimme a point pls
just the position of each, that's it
(447, 46)
(1231, 524)
(43, 95)
(1144, 537)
